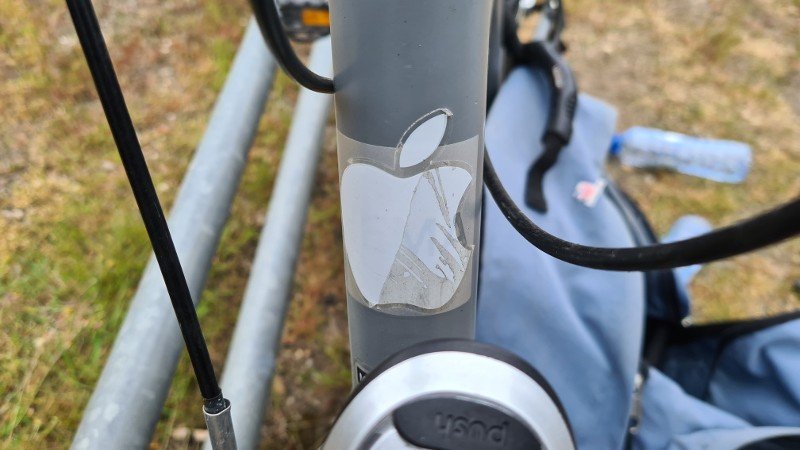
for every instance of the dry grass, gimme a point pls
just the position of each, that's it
(713, 68)
(73, 246)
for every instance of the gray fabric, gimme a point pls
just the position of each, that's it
(581, 328)
(675, 420)
(750, 374)
(757, 376)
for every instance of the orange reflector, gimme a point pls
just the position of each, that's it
(315, 17)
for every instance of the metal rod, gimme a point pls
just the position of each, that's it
(130, 393)
(130, 151)
(250, 365)
(220, 429)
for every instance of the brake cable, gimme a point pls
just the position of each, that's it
(215, 406)
(743, 237)
(269, 21)
(756, 232)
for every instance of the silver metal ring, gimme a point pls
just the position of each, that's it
(458, 374)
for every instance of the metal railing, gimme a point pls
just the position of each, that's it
(146, 351)
(248, 371)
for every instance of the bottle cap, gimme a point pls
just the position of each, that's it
(616, 144)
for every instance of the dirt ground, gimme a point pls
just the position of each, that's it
(72, 245)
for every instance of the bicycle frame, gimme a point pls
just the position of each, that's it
(410, 99)
(410, 105)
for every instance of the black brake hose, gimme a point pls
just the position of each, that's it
(748, 235)
(130, 151)
(751, 234)
(269, 20)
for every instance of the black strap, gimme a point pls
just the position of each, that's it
(534, 189)
(729, 330)
(563, 105)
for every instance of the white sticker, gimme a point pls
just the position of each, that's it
(401, 224)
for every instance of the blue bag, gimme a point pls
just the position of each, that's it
(611, 344)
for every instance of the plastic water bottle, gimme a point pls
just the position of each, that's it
(713, 159)
(684, 228)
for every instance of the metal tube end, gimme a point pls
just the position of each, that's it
(220, 428)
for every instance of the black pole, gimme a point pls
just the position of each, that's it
(130, 151)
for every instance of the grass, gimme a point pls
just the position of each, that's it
(720, 69)
(73, 246)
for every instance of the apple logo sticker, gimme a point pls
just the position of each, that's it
(402, 225)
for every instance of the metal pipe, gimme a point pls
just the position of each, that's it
(129, 396)
(248, 371)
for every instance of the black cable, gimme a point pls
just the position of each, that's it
(130, 151)
(757, 232)
(269, 20)
(748, 235)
